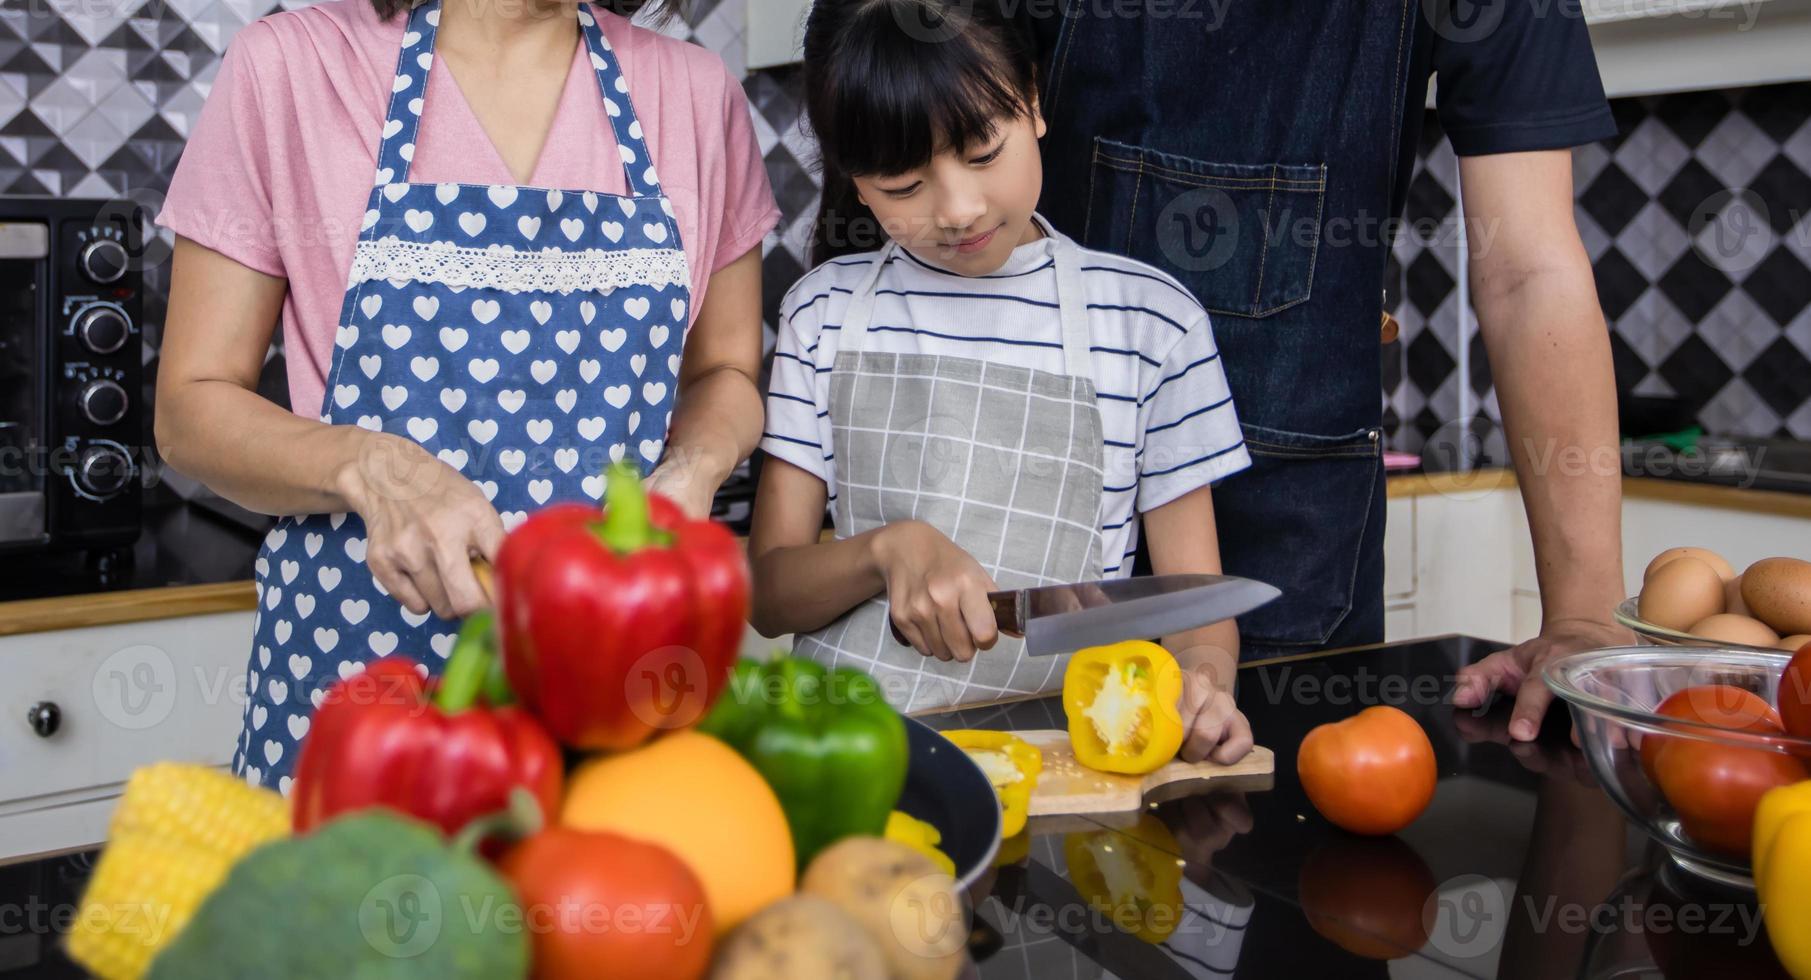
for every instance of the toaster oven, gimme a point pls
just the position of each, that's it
(71, 375)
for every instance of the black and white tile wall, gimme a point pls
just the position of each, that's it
(1697, 217)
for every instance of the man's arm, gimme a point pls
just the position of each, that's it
(1549, 353)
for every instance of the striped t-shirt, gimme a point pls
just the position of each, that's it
(1166, 415)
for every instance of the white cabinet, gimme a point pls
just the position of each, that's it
(124, 695)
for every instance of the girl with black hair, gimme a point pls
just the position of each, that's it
(509, 242)
(983, 403)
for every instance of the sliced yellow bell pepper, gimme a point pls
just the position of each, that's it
(1122, 706)
(1133, 877)
(1010, 764)
(903, 828)
(1013, 850)
(1782, 852)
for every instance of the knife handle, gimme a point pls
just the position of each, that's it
(1006, 616)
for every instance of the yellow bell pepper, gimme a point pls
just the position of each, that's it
(1122, 706)
(1013, 850)
(1011, 765)
(903, 828)
(176, 832)
(1132, 877)
(1782, 853)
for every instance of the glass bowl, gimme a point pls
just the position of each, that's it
(1613, 693)
(1627, 614)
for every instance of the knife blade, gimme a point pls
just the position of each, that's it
(1061, 618)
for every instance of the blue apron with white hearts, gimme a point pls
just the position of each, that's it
(526, 336)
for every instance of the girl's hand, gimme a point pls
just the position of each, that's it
(1216, 729)
(937, 592)
(424, 523)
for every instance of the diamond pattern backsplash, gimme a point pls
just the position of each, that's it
(1697, 219)
(1697, 216)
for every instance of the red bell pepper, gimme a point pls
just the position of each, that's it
(620, 623)
(377, 740)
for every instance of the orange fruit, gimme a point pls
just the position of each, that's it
(696, 797)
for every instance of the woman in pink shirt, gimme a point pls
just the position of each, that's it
(508, 243)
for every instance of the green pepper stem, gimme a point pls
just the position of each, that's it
(521, 818)
(468, 666)
(627, 525)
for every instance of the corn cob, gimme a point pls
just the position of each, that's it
(177, 831)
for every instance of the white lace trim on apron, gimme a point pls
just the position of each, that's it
(518, 270)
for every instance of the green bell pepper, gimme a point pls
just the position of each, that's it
(827, 742)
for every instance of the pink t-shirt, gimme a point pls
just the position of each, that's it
(279, 166)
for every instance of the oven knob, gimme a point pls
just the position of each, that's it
(103, 329)
(105, 260)
(103, 470)
(104, 402)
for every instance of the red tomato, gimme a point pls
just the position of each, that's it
(1714, 788)
(1372, 773)
(1795, 693)
(604, 905)
(1712, 704)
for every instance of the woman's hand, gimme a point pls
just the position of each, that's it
(937, 593)
(1215, 727)
(424, 523)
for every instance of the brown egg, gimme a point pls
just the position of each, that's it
(1778, 592)
(1733, 628)
(1732, 598)
(1680, 593)
(1792, 644)
(1725, 570)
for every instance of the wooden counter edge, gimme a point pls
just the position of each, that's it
(130, 606)
(1478, 482)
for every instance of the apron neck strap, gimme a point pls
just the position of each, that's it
(1071, 299)
(861, 301)
(408, 93)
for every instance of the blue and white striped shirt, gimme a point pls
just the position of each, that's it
(1166, 415)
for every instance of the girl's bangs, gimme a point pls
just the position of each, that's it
(894, 100)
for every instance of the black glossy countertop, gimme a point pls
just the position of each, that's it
(1531, 870)
(181, 544)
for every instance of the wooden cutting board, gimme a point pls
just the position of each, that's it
(1068, 787)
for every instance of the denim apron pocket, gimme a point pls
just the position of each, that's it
(1302, 532)
(1242, 237)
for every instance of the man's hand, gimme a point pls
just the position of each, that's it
(1518, 669)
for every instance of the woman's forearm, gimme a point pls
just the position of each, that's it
(805, 587)
(716, 425)
(265, 458)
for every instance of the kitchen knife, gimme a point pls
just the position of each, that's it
(1062, 618)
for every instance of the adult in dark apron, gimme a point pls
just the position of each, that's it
(527, 336)
(1005, 461)
(1248, 149)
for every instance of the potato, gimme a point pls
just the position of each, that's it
(799, 938)
(909, 908)
(1778, 593)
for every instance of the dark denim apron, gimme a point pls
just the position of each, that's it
(1248, 148)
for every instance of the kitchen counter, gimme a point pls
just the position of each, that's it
(1529, 869)
(190, 561)
(186, 562)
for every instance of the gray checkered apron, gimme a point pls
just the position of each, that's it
(1005, 460)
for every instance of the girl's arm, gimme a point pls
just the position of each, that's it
(938, 593)
(717, 417)
(1183, 539)
(424, 520)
